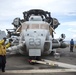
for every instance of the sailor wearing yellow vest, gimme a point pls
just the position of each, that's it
(3, 53)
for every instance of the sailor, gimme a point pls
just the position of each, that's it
(71, 45)
(3, 53)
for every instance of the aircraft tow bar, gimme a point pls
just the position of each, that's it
(54, 63)
(43, 61)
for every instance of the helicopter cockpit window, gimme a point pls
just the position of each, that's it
(34, 26)
(25, 26)
(44, 26)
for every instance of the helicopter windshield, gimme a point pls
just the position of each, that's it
(39, 26)
(44, 26)
(35, 26)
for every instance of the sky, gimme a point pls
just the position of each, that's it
(63, 10)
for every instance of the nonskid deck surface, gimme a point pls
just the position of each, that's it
(19, 63)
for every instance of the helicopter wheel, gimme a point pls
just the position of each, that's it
(34, 58)
(52, 53)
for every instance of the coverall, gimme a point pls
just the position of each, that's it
(71, 45)
(3, 54)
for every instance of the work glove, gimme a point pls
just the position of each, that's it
(10, 40)
(4, 38)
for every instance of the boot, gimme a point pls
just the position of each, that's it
(3, 69)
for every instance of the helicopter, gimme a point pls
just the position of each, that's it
(34, 34)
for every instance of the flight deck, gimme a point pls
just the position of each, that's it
(18, 64)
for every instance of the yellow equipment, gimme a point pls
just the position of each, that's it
(43, 61)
